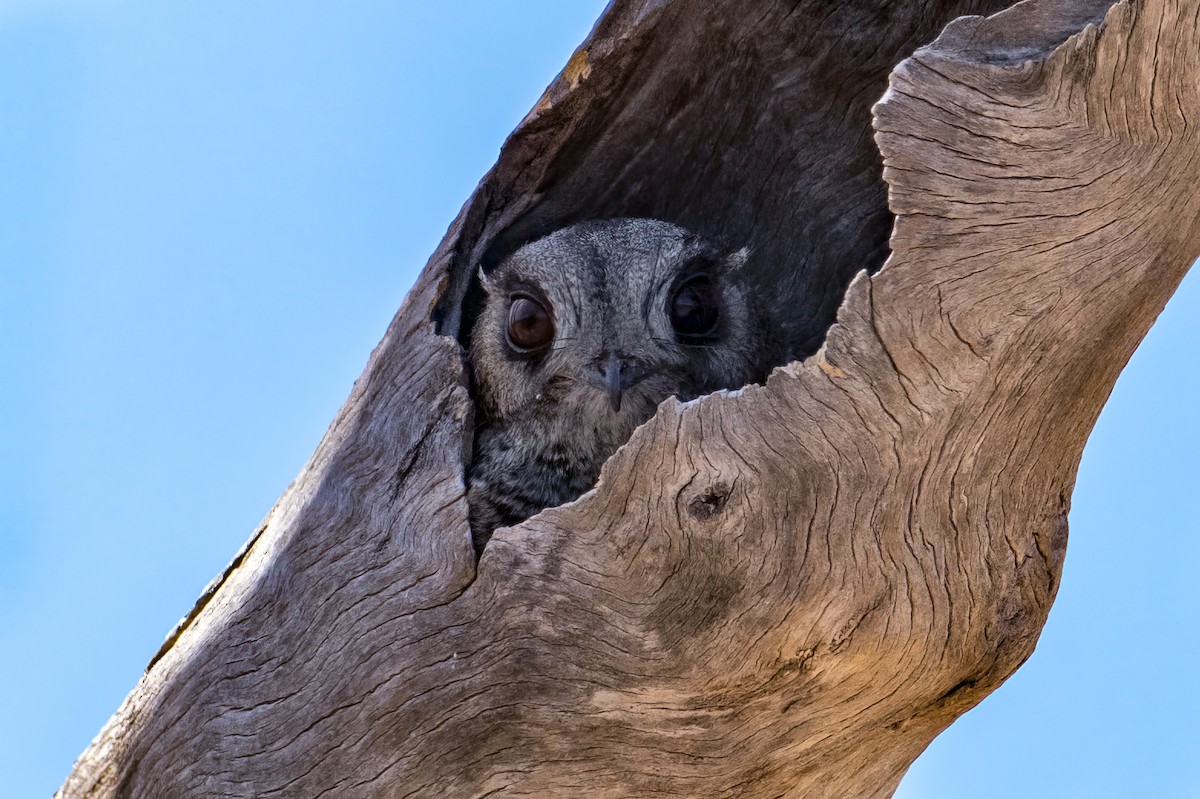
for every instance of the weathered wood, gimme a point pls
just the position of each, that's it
(782, 591)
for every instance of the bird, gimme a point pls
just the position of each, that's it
(582, 334)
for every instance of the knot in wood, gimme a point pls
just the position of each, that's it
(708, 503)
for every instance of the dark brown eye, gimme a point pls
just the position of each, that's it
(530, 327)
(694, 309)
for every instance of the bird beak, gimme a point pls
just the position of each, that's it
(614, 374)
(612, 379)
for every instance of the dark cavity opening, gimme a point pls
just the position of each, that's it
(746, 122)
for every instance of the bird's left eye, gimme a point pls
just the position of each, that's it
(530, 327)
(694, 309)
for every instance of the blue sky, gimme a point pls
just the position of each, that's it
(208, 215)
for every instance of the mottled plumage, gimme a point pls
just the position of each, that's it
(582, 335)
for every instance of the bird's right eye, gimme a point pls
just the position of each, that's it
(530, 326)
(694, 310)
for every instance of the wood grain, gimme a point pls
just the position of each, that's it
(786, 590)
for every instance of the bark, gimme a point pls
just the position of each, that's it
(787, 590)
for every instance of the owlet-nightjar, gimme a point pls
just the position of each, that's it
(583, 333)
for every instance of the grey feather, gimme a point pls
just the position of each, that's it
(548, 419)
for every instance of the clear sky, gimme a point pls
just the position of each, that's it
(209, 213)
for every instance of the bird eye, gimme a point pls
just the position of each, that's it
(530, 327)
(694, 309)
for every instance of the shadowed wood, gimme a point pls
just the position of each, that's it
(782, 591)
